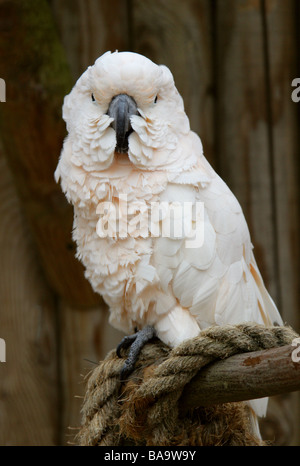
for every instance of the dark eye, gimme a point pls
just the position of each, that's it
(93, 98)
(155, 100)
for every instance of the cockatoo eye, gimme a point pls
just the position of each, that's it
(155, 100)
(93, 98)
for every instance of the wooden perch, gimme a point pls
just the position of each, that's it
(243, 377)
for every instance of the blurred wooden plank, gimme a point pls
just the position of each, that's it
(88, 28)
(28, 379)
(37, 78)
(247, 141)
(243, 134)
(281, 34)
(282, 49)
(178, 34)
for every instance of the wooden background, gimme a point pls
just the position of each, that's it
(233, 62)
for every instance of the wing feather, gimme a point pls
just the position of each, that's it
(218, 282)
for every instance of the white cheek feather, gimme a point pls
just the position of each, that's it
(147, 279)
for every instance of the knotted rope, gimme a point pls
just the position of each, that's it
(145, 410)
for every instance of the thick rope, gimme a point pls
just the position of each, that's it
(145, 410)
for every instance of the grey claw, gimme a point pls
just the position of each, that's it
(136, 342)
(125, 343)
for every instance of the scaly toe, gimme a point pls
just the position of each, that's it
(136, 342)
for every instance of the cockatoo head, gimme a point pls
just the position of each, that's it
(127, 104)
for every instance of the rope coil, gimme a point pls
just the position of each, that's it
(145, 410)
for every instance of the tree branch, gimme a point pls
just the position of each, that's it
(243, 377)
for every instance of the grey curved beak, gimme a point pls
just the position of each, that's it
(121, 108)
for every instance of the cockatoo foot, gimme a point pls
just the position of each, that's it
(136, 342)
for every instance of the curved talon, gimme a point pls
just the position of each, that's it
(136, 342)
(125, 343)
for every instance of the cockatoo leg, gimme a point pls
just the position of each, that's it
(136, 342)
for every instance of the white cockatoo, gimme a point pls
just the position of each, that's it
(161, 236)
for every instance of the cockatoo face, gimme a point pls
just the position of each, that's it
(125, 103)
